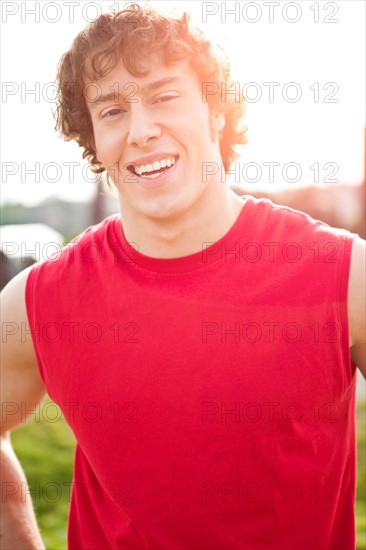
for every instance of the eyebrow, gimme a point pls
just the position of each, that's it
(113, 96)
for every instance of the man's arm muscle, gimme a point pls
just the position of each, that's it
(21, 390)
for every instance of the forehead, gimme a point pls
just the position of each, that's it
(119, 81)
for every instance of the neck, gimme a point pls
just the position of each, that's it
(206, 222)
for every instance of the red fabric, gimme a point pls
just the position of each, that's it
(191, 436)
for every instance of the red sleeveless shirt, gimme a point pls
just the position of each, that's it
(212, 396)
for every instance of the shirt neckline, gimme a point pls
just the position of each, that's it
(210, 253)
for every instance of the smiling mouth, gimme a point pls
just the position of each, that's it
(154, 169)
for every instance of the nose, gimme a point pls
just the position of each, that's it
(143, 127)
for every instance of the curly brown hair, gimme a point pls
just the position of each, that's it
(132, 35)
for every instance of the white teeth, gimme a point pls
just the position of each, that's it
(157, 165)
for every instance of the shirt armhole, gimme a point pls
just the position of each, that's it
(342, 291)
(30, 308)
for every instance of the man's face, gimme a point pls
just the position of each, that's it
(157, 122)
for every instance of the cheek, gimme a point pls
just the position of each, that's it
(108, 145)
(200, 137)
(195, 127)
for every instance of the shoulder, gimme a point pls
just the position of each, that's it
(86, 249)
(271, 215)
(72, 274)
(285, 226)
(332, 249)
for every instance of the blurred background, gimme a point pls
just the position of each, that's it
(311, 130)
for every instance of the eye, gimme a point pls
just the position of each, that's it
(165, 98)
(112, 113)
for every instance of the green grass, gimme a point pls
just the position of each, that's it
(46, 452)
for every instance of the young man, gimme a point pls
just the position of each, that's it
(202, 346)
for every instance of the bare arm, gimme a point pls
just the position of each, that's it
(357, 304)
(21, 389)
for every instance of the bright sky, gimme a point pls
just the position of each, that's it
(318, 57)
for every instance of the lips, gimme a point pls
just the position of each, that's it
(156, 180)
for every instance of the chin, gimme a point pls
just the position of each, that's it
(163, 211)
(162, 206)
